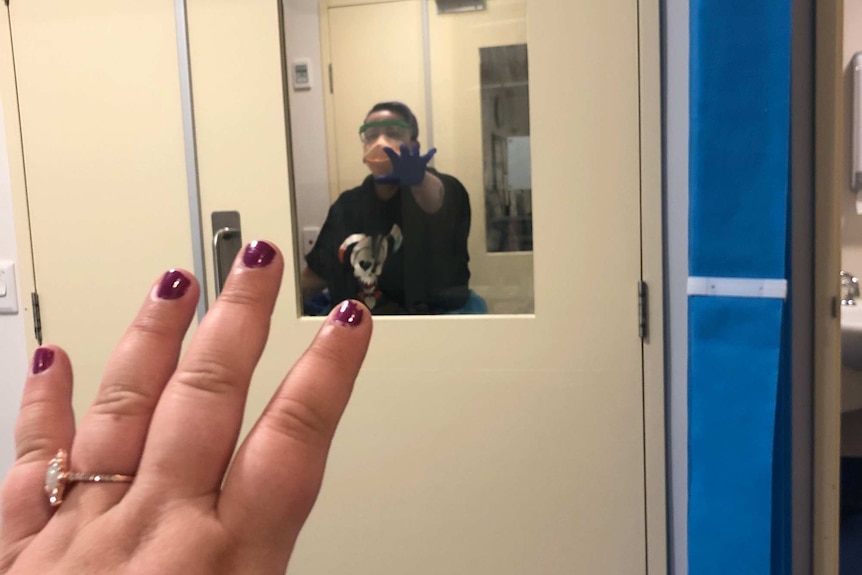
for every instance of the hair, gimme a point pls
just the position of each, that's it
(403, 111)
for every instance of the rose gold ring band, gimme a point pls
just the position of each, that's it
(97, 478)
(58, 478)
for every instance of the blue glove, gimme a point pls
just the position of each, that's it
(408, 169)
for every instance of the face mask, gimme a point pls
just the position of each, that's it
(377, 160)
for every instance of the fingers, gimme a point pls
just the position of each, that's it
(430, 154)
(197, 420)
(387, 179)
(393, 155)
(45, 424)
(274, 480)
(112, 433)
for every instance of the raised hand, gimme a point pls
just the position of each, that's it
(408, 169)
(162, 432)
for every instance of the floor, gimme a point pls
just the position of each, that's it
(851, 516)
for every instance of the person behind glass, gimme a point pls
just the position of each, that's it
(398, 241)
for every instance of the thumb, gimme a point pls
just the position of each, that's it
(427, 157)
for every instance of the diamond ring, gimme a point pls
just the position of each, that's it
(58, 477)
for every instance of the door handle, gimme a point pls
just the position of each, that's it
(217, 255)
(227, 240)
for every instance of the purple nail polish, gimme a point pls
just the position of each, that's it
(349, 313)
(258, 254)
(174, 285)
(42, 359)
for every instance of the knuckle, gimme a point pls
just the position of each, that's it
(122, 398)
(31, 444)
(299, 422)
(241, 294)
(329, 354)
(209, 375)
(31, 441)
(151, 326)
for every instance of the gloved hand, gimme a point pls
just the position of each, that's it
(408, 169)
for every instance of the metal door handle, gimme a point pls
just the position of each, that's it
(217, 237)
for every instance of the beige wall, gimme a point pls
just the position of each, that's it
(306, 123)
(14, 355)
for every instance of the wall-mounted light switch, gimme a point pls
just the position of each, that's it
(8, 290)
(301, 74)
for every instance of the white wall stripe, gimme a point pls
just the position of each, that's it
(738, 287)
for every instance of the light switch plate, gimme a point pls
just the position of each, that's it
(8, 289)
(301, 74)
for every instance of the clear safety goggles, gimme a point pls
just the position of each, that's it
(390, 129)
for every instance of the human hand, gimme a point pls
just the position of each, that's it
(173, 424)
(408, 169)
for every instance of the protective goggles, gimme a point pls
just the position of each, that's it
(390, 129)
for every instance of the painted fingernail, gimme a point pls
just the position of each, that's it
(349, 313)
(174, 285)
(258, 254)
(42, 359)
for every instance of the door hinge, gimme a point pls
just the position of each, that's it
(331, 87)
(643, 310)
(37, 317)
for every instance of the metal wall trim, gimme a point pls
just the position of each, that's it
(191, 155)
(426, 53)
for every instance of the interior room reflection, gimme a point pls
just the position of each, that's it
(506, 148)
(411, 155)
(398, 241)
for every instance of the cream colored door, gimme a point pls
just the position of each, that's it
(490, 445)
(101, 125)
(482, 445)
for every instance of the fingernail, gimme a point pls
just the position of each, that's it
(174, 285)
(42, 359)
(258, 254)
(349, 313)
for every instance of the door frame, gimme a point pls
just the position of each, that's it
(652, 273)
(829, 134)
